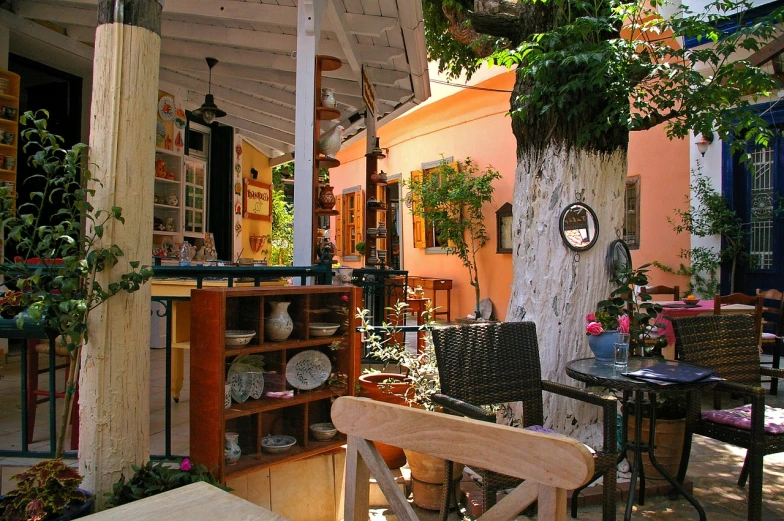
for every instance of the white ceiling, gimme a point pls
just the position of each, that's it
(255, 42)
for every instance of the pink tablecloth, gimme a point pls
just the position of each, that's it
(704, 306)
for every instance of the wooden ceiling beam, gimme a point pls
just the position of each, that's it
(265, 107)
(360, 24)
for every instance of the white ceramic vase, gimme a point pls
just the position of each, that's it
(232, 451)
(277, 324)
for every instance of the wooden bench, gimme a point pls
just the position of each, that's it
(551, 464)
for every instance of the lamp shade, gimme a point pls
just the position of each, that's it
(208, 110)
(703, 142)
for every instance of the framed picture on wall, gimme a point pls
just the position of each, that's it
(256, 200)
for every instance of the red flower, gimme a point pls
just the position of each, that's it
(594, 328)
(185, 465)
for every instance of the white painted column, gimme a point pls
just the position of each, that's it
(114, 392)
(309, 16)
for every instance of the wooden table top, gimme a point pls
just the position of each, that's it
(195, 502)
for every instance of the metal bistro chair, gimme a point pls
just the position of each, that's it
(496, 363)
(729, 345)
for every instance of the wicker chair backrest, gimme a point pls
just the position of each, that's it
(725, 343)
(493, 363)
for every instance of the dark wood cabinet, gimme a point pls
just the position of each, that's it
(216, 310)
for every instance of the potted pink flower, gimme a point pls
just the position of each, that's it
(601, 328)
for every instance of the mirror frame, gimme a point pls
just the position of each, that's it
(592, 215)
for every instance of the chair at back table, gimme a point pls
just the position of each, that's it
(674, 292)
(489, 364)
(728, 344)
(772, 327)
(549, 463)
(741, 298)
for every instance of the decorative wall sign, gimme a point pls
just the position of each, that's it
(503, 218)
(579, 226)
(257, 197)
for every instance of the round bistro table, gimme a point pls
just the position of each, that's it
(605, 374)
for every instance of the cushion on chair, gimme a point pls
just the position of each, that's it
(768, 337)
(740, 417)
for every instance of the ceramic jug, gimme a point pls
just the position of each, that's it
(277, 324)
(232, 451)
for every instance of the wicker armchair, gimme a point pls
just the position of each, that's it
(498, 363)
(729, 345)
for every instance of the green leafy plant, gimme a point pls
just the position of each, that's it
(642, 312)
(61, 288)
(708, 214)
(360, 247)
(451, 200)
(387, 344)
(156, 477)
(48, 488)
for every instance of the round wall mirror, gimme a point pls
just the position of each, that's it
(579, 226)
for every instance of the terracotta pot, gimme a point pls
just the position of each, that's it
(326, 198)
(669, 445)
(371, 386)
(427, 479)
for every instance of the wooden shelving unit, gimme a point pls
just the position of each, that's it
(215, 310)
(10, 98)
(323, 64)
(375, 189)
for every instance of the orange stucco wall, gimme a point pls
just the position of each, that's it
(663, 167)
(474, 123)
(254, 158)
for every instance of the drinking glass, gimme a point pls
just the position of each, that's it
(621, 347)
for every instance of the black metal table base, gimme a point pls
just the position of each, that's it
(637, 447)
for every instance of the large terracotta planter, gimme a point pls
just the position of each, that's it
(372, 386)
(669, 445)
(427, 479)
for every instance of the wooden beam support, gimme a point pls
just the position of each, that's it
(336, 12)
(114, 402)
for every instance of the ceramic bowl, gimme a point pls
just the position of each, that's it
(238, 337)
(277, 444)
(323, 431)
(691, 301)
(323, 328)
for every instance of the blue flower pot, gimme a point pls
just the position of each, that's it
(602, 346)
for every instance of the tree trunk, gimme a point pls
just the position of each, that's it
(553, 285)
(114, 383)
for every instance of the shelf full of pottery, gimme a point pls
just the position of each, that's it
(266, 364)
(167, 195)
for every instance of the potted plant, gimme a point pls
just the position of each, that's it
(670, 432)
(58, 260)
(451, 200)
(414, 387)
(157, 477)
(47, 491)
(360, 247)
(624, 313)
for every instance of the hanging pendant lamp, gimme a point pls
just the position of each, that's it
(208, 110)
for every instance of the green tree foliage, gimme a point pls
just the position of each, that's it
(579, 63)
(282, 250)
(452, 199)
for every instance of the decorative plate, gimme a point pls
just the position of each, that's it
(308, 369)
(240, 385)
(237, 168)
(276, 444)
(160, 132)
(167, 108)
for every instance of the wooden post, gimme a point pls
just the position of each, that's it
(114, 383)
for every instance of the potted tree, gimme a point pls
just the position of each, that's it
(414, 387)
(57, 260)
(451, 199)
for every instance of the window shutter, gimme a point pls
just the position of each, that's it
(360, 217)
(337, 236)
(456, 167)
(419, 222)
